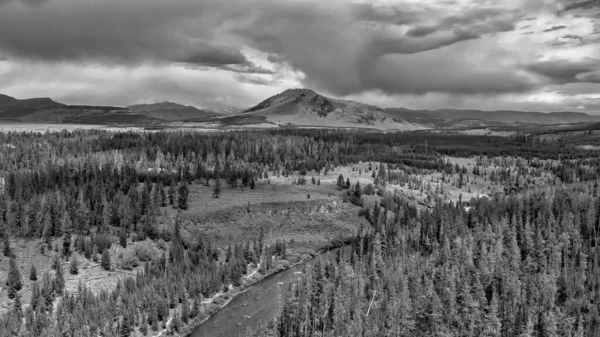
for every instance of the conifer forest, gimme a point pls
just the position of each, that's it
(156, 233)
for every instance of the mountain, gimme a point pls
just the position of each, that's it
(292, 107)
(304, 107)
(169, 111)
(45, 110)
(12, 108)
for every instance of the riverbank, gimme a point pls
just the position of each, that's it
(211, 306)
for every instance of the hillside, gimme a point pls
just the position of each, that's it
(12, 108)
(304, 107)
(169, 111)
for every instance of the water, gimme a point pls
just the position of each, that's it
(259, 303)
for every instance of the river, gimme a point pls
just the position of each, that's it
(259, 303)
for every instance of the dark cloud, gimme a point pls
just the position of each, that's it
(341, 57)
(421, 31)
(27, 2)
(582, 5)
(341, 47)
(213, 55)
(479, 21)
(554, 28)
(252, 79)
(248, 67)
(590, 77)
(111, 31)
(566, 71)
(448, 71)
(398, 15)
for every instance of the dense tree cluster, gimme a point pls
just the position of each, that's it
(521, 265)
(516, 266)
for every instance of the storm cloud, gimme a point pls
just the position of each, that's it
(340, 47)
(568, 71)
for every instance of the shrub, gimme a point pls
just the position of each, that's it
(102, 242)
(128, 260)
(369, 189)
(145, 251)
(161, 244)
(356, 201)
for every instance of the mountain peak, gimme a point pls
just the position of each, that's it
(306, 98)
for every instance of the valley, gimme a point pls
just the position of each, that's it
(187, 233)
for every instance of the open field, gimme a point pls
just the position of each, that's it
(43, 128)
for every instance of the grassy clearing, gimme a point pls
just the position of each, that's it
(28, 252)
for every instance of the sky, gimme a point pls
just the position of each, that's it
(534, 55)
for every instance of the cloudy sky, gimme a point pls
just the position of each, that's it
(541, 55)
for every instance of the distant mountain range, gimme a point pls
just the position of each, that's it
(304, 107)
(292, 107)
(169, 111)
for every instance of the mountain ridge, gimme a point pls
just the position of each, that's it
(170, 111)
(291, 107)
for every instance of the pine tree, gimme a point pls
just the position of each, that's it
(125, 328)
(123, 237)
(185, 310)
(163, 195)
(217, 188)
(340, 182)
(17, 308)
(144, 325)
(13, 281)
(106, 215)
(59, 281)
(32, 273)
(7, 250)
(74, 266)
(195, 308)
(182, 195)
(172, 191)
(105, 262)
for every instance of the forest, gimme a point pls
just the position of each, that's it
(518, 263)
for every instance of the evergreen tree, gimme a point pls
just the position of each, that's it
(66, 229)
(125, 328)
(185, 310)
(13, 281)
(32, 273)
(172, 192)
(144, 325)
(340, 182)
(59, 281)
(105, 262)
(7, 250)
(17, 309)
(182, 195)
(74, 266)
(217, 188)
